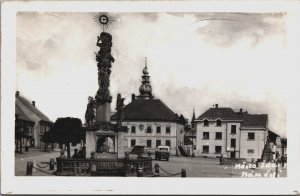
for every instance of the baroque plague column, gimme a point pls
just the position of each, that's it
(98, 125)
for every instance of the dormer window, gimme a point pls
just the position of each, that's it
(218, 123)
(205, 122)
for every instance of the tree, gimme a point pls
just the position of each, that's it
(67, 130)
(47, 138)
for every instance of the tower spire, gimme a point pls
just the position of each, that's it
(145, 88)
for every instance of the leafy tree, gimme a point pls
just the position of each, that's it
(67, 130)
(47, 138)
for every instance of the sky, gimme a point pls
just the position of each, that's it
(235, 60)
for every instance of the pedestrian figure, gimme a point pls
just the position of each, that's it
(62, 154)
(221, 159)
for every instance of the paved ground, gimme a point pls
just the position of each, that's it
(195, 167)
(205, 167)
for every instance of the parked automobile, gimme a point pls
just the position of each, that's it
(138, 150)
(162, 152)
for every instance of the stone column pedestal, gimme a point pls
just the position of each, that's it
(103, 113)
(90, 139)
(121, 144)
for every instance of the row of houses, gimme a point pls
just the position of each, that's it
(151, 123)
(219, 130)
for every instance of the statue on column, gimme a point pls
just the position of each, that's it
(104, 59)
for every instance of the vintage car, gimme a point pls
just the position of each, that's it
(162, 152)
(138, 150)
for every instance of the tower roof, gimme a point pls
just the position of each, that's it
(145, 88)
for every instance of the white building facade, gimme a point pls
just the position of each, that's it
(233, 134)
(153, 134)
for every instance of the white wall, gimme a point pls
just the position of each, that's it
(141, 136)
(257, 144)
(212, 128)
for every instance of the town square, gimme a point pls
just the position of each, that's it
(157, 99)
(132, 136)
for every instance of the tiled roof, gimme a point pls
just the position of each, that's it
(272, 136)
(32, 108)
(248, 120)
(21, 114)
(261, 118)
(223, 113)
(147, 110)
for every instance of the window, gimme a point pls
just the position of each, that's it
(218, 149)
(218, 135)
(168, 130)
(205, 122)
(41, 129)
(232, 143)
(250, 151)
(233, 129)
(205, 135)
(149, 143)
(219, 123)
(132, 129)
(251, 136)
(158, 143)
(132, 143)
(157, 129)
(168, 143)
(205, 149)
(149, 129)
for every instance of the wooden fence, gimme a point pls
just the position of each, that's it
(104, 167)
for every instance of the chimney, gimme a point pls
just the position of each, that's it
(17, 93)
(132, 97)
(33, 103)
(216, 105)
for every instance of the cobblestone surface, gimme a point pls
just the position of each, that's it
(195, 167)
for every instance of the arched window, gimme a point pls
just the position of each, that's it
(205, 122)
(219, 122)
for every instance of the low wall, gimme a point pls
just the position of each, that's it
(104, 167)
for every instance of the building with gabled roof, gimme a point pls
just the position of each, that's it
(233, 134)
(26, 110)
(150, 121)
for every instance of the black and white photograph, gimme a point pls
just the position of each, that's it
(148, 94)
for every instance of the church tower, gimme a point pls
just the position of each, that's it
(145, 88)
